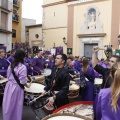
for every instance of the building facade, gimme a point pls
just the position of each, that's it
(84, 24)
(26, 22)
(6, 23)
(34, 36)
(16, 21)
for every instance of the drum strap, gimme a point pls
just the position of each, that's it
(16, 78)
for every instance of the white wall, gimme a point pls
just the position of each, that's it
(5, 38)
(26, 22)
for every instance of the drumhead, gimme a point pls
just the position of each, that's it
(3, 81)
(64, 116)
(98, 81)
(47, 72)
(35, 88)
(84, 108)
(74, 87)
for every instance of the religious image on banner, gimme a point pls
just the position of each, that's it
(59, 50)
(53, 51)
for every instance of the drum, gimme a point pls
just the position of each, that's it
(33, 92)
(2, 85)
(73, 91)
(84, 108)
(97, 84)
(39, 79)
(72, 82)
(77, 80)
(46, 72)
(65, 116)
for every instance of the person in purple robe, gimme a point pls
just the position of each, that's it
(3, 63)
(87, 72)
(13, 94)
(77, 64)
(49, 63)
(11, 57)
(38, 63)
(107, 103)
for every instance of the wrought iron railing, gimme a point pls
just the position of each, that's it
(16, 3)
(15, 17)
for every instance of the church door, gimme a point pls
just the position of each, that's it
(88, 49)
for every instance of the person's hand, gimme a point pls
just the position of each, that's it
(1, 77)
(28, 85)
(51, 101)
(43, 93)
(96, 49)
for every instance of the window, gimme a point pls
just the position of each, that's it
(13, 33)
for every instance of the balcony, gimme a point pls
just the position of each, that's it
(6, 5)
(3, 29)
(16, 3)
(15, 17)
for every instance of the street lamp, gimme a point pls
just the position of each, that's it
(64, 40)
(119, 39)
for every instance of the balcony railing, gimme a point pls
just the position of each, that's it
(16, 3)
(15, 17)
(6, 5)
(79, 1)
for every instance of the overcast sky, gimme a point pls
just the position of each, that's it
(32, 9)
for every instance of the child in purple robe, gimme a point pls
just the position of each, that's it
(3, 63)
(14, 94)
(107, 103)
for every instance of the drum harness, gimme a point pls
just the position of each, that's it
(51, 92)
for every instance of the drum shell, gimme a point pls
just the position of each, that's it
(56, 115)
(39, 79)
(74, 92)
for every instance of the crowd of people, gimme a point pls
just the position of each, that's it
(17, 66)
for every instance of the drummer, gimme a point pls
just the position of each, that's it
(49, 63)
(3, 63)
(59, 84)
(37, 63)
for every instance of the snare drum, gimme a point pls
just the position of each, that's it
(84, 108)
(65, 116)
(2, 85)
(33, 92)
(73, 91)
(39, 79)
(97, 84)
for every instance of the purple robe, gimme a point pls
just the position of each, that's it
(37, 65)
(77, 65)
(102, 106)
(50, 64)
(88, 93)
(13, 94)
(3, 66)
(10, 59)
